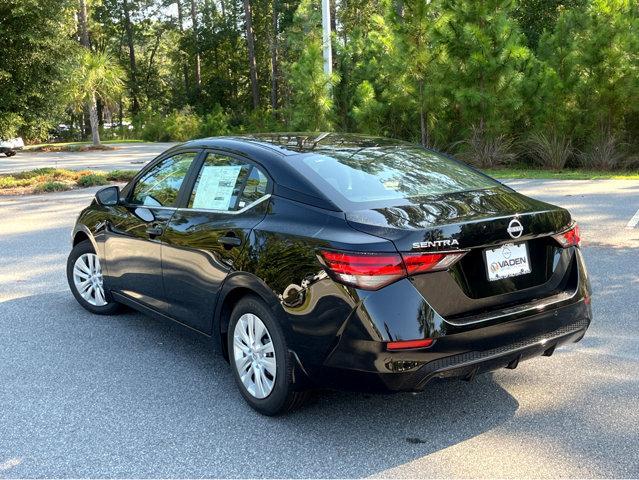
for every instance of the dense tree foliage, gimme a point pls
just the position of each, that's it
(34, 39)
(555, 79)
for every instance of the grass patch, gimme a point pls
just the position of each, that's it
(42, 180)
(121, 175)
(51, 186)
(92, 180)
(76, 146)
(525, 173)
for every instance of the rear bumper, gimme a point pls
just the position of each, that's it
(368, 366)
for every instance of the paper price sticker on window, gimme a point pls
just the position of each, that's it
(215, 186)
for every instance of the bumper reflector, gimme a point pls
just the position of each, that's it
(409, 344)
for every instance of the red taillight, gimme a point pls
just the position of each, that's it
(569, 238)
(428, 262)
(371, 271)
(408, 344)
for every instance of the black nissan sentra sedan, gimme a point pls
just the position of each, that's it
(330, 260)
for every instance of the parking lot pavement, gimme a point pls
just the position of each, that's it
(126, 396)
(125, 156)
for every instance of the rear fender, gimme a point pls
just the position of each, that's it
(242, 283)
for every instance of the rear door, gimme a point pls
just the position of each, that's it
(204, 240)
(133, 239)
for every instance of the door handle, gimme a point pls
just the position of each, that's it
(155, 231)
(230, 241)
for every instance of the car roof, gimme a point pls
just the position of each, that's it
(294, 143)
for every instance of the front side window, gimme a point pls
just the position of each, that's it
(159, 187)
(227, 184)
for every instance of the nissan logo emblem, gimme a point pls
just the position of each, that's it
(515, 229)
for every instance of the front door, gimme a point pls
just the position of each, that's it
(134, 231)
(204, 241)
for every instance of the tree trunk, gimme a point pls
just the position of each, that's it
(135, 107)
(251, 54)
(333, 9)
(83, 24)
(100, 109)
(422, 116)
(198, 72)
(274, 69)
(85, 122)
(93, 119)
(185, 66)
(120, 113)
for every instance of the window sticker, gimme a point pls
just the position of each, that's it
(215, 187)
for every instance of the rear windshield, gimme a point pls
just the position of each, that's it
(391, 173)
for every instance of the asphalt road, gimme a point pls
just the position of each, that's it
(125, 396)
(125, 156)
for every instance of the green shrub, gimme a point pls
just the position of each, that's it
(51, 186)
(214, 123)
(549, 151)
(121, 175)
(603, 154)
(183, 125)
(261, 121)
(485, 150)
(92, 180)
(154, 130)
(178, 126)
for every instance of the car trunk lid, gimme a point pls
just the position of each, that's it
(474, 221)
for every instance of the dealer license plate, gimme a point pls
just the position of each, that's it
(508, 260)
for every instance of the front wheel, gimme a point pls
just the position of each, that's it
(10, 153)
(84, 274)
(259, 357)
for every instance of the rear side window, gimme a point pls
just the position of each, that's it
(227, 184)
(159, 187)
(391, 173)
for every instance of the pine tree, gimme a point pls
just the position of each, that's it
(485, 60)
(310, 104)
(361, 46)
(418, 63)
(594, 52)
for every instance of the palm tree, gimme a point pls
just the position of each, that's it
(95, 76)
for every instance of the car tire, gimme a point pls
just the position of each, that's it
(84, 272)
(10, 153)
(282, 396)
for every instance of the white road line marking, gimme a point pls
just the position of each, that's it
(633, 221)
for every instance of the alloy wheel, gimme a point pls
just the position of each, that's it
(87, 278)
(254, 355)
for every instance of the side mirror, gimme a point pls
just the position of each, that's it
(108, 196)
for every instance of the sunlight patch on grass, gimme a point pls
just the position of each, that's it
(522, 173)
(76, 146)
(44, 180)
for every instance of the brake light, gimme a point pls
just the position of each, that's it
(369, 271)
(428, 262)
(569, 238)
(372, 271)
(409, 344)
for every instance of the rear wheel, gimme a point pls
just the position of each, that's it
(10, 153)
(84, 274)
(259, 357)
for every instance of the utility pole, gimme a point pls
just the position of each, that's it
(326, 37)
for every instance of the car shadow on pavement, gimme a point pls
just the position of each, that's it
(86, 395)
